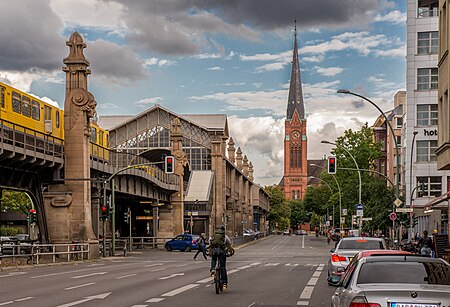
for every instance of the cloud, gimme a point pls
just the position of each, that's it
(270, 67)
(394, 53)
(215, 68)
(158, 62)
(203, 56)
(395, 17)
(148, 101)
(329, 71)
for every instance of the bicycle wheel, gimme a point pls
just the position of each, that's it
(217, 280)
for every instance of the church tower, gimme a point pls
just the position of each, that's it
(295, 141)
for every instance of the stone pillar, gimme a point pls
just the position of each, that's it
(69, 206)
(239, 158)
(250, 171)
(218, 166)
(231, 151)
(172, 222)
(245, 166)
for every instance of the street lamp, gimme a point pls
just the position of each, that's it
(359, 174)
(331, 190)
(392, 131)
(411, 214)
(340, 196)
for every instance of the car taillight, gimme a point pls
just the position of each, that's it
(337, 258)
(192, 241)
(360, 301)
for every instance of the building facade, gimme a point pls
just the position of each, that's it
(421, 167)
(295, 179)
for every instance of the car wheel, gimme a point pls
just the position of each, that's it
(168, 248)
(187, 248)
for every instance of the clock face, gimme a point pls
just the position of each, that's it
(295, 134)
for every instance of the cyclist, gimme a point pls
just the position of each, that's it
(219, 248)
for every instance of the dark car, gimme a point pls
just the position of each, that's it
(184, 243)
(6, 246)
(24, 241)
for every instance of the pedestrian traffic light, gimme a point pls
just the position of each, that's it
(104, 210)
(126, 217)
(169, 164)
(33, 216)
(332, 165)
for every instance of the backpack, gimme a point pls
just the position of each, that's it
(218, 240)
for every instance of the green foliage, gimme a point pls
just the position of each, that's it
(376, 197)
(9, 231)
(299, 215)
(279, 211)
(15, 201)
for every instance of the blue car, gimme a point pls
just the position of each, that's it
(184, 243)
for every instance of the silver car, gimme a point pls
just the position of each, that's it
(395, 281)
(347, 248)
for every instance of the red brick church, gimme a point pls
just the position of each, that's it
(295, 177)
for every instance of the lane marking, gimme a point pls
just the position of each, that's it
(303, 303)
(12, 274)
(279, 243)
(154, 264)
(316, 274)
(170, 276)
(79, 286)
(24, 299)
(139, 306)
(182, 265)
(244, 267)
(232, 271)
(202, 281)
(156, 270)
(303, 241)
(87, 299)
(126, 276)
(312, 281)
(79, 271)
(272, 264)
(6, 303)
(155, 300)
(320, 268)
(89, 275)
(251, 304)
(255, 263)
(179, 290)
(307, 292)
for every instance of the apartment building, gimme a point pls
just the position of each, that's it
(421, 130)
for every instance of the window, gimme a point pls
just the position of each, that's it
(2, 96)
(426, 151)
(100, 137)
(427, 8)
(16, 101)
(398, 138)
(427, 115)
(427, 42)
(432, 186)
(93, 135)
(35, 110)
(47, 113)
(427, 79)
(57, 119)
(26, 106)
(399, 122)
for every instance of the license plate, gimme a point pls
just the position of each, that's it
(412, 305)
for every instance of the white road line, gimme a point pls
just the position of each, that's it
(307, 292)
(79, 286)
(182, 265)
(251, 304)
(244, 267)
(232, 271)
(126, 276)
(156, 270)
(6, 303)
(89, 275)
(255, 263)
(303, 303)
(139, 306)
(206, 280)
(272, 264)
(316, 273)
(303, 241)
(24, 299)
(155, 300)
(319, 268)
(14, 274)
(154, 264)
(179, 290)
(312, 281)
(78, 271)
(170, 276)
(276, 245)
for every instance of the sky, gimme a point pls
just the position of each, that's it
(218, 57)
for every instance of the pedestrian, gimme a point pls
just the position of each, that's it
(425, 244)
(201, 243)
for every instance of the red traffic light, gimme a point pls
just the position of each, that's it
(33, 211)
(169, 160)
(104, 209)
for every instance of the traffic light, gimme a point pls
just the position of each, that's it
(33, 216)
(169, 164)
(126, 217)
(104, 212)
(332, 165)
(416, 220)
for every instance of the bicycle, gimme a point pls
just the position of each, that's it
(218, 284)
(35, 255)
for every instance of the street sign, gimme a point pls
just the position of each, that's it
(366, 219)
(359, 212)
(344, 211)
(404, 210)
(359, 207)
(144, 218)
(342, 220)
(192, 213)
(398, 202)
(393, 216)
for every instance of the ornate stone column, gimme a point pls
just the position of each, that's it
(245, 166)
(250, 171)
(239, 158)
(231, 151)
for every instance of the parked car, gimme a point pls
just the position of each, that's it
(347, 248)
(286, 232)
(24, 241)
(6, 246)
(394, 280)
(183, 242)
(301, 232)
(249, 233)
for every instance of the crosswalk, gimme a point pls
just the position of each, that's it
(289, 264)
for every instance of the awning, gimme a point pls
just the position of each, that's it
(436, 203)
(199, 186)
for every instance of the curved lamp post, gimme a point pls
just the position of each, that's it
(331, 190)
(359, 175)
(392, 131)
(340, 196)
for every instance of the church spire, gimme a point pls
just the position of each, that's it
(295, 100)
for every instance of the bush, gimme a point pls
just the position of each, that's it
(9, 231)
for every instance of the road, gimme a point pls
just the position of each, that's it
(275, 271)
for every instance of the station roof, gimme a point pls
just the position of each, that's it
(199, 186)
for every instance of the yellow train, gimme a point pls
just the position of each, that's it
(28, 114)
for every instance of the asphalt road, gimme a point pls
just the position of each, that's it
(276, 271)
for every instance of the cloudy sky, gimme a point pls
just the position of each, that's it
(217, 56)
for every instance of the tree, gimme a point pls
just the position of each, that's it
(279, 210)
(14, 201)
(299, 215)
